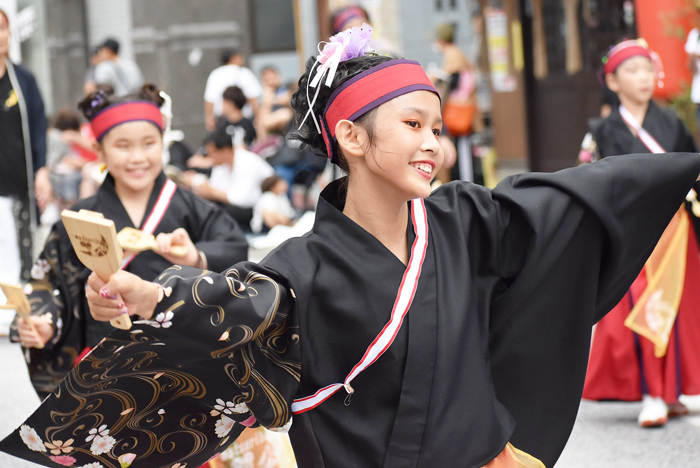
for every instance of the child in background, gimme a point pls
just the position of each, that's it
(135, 193)
(625, 365)
(232, 117)
(273, 208)
(67, 153)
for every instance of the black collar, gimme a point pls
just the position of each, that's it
(110, 205)
(346, 235)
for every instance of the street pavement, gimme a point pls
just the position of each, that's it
(605, 436)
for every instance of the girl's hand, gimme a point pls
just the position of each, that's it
(31, 339)
(42, 188)
(139, 297)
(178, 237)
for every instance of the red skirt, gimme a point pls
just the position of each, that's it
(622, 365)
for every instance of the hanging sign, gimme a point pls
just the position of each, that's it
(499, 51)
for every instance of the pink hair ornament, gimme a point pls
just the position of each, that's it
(348, 44)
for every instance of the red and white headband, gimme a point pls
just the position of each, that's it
(363, 92)
(369, 90)
(118, 114)
(632, 48)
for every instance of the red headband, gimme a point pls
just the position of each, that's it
(125, 112)
(347, 14)
(368, 90)
(623, 51)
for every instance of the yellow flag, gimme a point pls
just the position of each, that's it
(655, 312)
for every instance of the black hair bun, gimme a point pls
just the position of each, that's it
(150, 92)
(94, 103)
(104, 97)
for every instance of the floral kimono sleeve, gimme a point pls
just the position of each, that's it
(56, 294)
(220, 353)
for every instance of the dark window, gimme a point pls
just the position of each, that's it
(273, 25)
(438, 5)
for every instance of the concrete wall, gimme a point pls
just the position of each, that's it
(35, 54)
(177, 45)
(419, 19)
(67, 51)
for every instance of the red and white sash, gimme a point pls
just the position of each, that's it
(651, 143)
(643, 135)
(149, 227)
(156, 215)
(386, 337)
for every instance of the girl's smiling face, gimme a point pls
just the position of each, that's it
(132, 152)
(406, 153)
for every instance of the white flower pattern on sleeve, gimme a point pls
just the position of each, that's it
(102, 445)
(95, 432)
(224, 426)
(40, 268)
(163, 320)
(31, 439)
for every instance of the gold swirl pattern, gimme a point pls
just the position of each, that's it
(162, 396)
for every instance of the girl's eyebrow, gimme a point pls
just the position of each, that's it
(422, 112)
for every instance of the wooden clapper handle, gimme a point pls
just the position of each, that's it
(94, 240)
(135, 240)
(17, 300)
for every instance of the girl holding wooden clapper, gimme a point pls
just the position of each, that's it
(406, 329)
(135, 193)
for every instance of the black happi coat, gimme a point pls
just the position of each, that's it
(613, 137)
(58, 286)
(494, 347)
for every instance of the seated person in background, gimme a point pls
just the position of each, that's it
(275, 111)
(235, 179)
(66, 153)
(232, 73)
(273, 208)
(232, 116)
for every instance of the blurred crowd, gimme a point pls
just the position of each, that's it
(246, 164)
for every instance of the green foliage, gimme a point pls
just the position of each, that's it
(678, 21)
(686, 110)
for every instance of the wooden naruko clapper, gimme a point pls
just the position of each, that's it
(94, 240)
(17, 300)
(137, 241)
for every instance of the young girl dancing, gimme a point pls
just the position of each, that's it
(135, 193)
(625, 365)
(407, 329)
